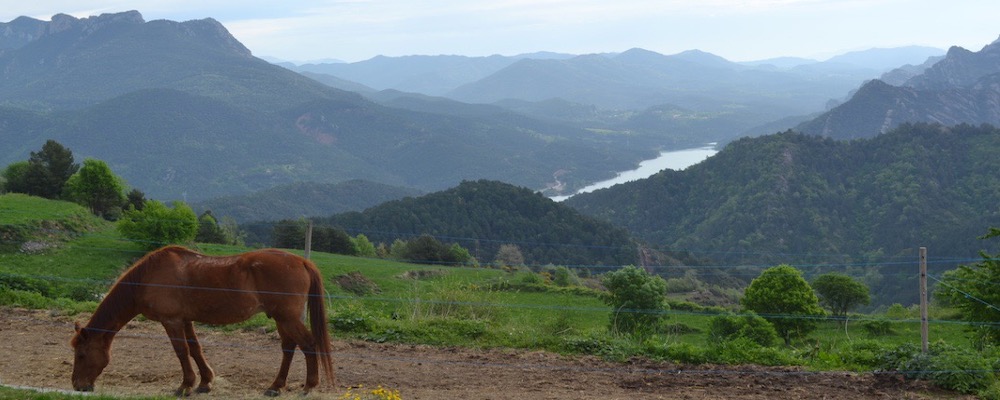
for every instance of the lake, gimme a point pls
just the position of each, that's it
(675, 160)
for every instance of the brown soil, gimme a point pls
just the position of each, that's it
(35, 353)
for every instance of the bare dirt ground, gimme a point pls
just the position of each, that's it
(35, 352)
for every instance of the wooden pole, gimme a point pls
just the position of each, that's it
(923, 299)
(309, 239)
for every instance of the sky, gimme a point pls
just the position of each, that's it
(739, 30)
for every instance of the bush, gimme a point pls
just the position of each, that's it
(864, 353)
(743, 350)
(156, 224)
(878, 327)
(947, 366)
(24, 283)
(637, 299)
(353, 318)
(730, 327)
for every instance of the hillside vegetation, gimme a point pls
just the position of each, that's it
(483, 215)
(814, 201)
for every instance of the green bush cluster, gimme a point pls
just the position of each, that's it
(731, 327)
(945, 365)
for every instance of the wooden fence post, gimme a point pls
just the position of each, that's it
(309, 239)
(923, 299)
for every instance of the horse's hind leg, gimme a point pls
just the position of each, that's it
(178, 339)
(206, 372)
(301, 335)
(287, 352)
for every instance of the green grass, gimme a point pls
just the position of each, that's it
(8, 393)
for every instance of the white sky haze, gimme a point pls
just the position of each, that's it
(739, 30)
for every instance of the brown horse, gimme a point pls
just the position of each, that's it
(176, 286)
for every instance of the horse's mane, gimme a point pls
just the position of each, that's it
(126, 287)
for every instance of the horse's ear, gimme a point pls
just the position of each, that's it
(76, 337)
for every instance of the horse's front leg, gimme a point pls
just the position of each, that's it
(178, 339)
(194, 346)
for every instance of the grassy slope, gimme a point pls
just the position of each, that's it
(451, 306)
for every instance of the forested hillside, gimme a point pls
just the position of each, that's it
(483, 215)
(807, 200)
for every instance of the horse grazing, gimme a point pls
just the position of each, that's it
(176, 286)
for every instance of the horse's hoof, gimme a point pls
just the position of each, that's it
(203, 389)
(272, 393)
(182, 392)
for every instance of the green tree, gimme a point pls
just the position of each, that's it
(15, 177)
(97, 188)
(134, 199)
(365, 247)
(209, 230)
(638, 299)
(461, 255)
(49, 169)
(157, 225)
(785, 299)
(840, 293)
(975, 290)
(289, 234)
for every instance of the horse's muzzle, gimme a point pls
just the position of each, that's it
(89, 388)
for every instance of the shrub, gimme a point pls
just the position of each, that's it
(743, 350)
(24, 283)
(864, 353)
(353, 318)
(156, 224)
(637, 299)
(878, 327)
(729, 327)
(946, 366)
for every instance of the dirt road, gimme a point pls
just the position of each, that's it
(34, 351)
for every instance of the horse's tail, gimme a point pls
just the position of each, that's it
(318, 322)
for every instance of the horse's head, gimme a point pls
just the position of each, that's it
(92, 354)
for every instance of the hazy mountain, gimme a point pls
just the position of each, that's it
(184, 111)
(780, 62)
(80, 62)
(963, 87)
(19, 32)
(885, 59)
(899, 76)
(431, 75)
(303, 199)
(638, 79)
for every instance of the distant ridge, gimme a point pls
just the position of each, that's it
(963, 87)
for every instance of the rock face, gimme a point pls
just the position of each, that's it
(23, 30)
(963, 87)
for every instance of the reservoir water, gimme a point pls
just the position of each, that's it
(675, 160)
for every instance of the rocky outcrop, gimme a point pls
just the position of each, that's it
(964, 87)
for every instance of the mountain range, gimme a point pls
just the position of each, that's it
(962, 87)
(183, 111)
(722, 99)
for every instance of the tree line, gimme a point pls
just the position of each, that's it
(53, 173)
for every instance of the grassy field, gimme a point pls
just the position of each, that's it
(75, 256)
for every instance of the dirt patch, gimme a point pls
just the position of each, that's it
(358, 284)
(35, 352)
